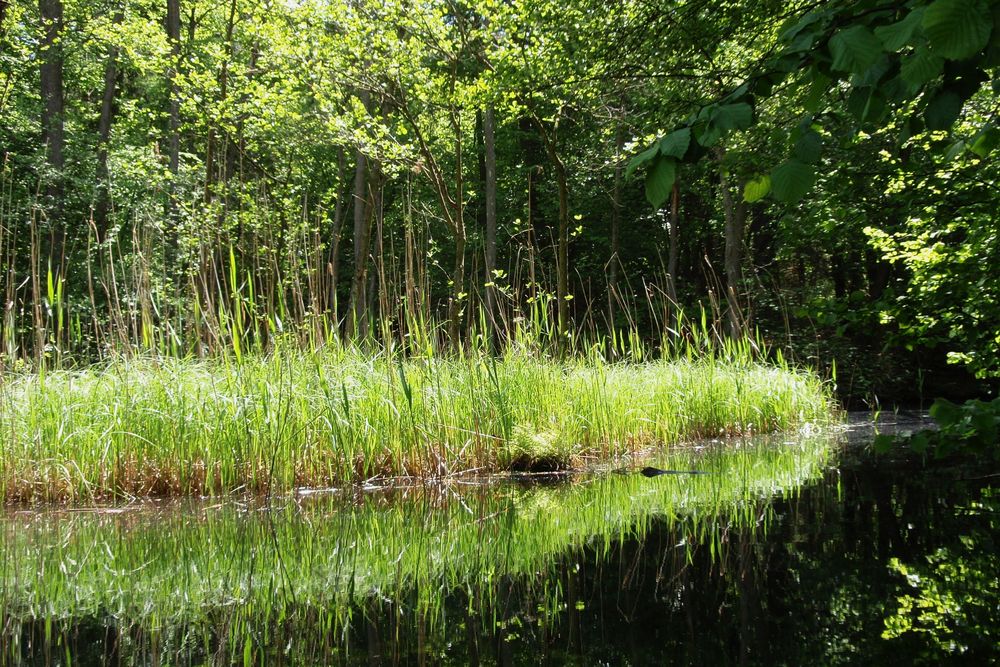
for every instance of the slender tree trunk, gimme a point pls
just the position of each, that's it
(51, 79)
(213, 144)
(735, 215)
(489, 139)
(3, 16)
(562, 260)
(338, 224)
(103, 198)
(173, 26)
(562, 246)
(362, 237)
(358, 318)
(616, 216)
(673, 254)
(458, 219)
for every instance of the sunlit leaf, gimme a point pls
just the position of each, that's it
(757, 189)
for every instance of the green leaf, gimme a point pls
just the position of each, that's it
(808, 146)
(757, 189)
(921, 67)
(954, 151)
(866, 105)
(957, 29)
(985, 142)
(660, 181)
(818, 88)
(943, 110)
(707, 133)
(883, 443)
(642, 158)
(855, 49)
(733, 116)
(897, 35)
(676, 143)
(791, 180)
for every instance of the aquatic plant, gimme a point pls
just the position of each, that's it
(168, 427)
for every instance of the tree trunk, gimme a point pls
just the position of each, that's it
(3, 16)
(358, 318)
(735, 214)
(616, 216)
(562, 260)
(103, 196)
(672, 256)
(489, 128)
(214, 145)
(458, 223)
(338, 224)
(51, 79)
(562, 246)
(173, 26)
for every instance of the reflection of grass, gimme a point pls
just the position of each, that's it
(294, 419)
(211, 574)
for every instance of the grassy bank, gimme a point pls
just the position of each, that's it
(169, 427)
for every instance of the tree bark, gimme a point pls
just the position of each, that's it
(103, 198)
(173, 27)
(673, 254)
(3, 15)
(616, 215)
(51, 80)
(338, 224)
(357, 319)
(735, 215)
(489, 139)
(562, 246)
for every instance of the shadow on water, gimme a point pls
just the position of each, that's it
(791, 551)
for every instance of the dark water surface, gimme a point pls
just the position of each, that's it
(794, 550)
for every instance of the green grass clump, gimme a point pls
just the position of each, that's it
(339, 415)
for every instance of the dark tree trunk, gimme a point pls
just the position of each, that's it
(51, 78)
(735, 214)
(173, 27)
(616, 216)
(489, 139)
(103, 198)
(338, 224)
(357, 320)
(673, 254)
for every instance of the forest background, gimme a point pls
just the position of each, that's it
(204, 177)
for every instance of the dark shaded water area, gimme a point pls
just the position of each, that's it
(804, 549)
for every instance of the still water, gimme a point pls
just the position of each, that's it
(804, 549)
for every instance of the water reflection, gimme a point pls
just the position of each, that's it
(786, 554)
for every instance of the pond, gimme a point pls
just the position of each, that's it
(803, 549)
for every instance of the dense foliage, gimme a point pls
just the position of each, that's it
(193, 177)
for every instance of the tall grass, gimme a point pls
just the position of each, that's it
(339, 415)
(174, 582)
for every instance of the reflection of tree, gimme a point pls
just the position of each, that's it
(953, 599)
